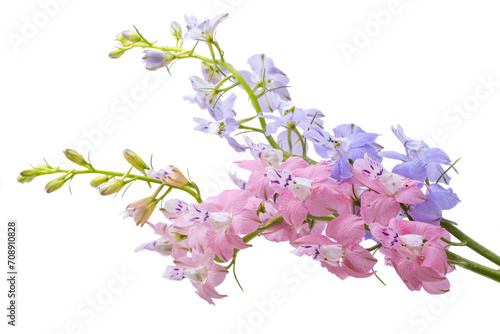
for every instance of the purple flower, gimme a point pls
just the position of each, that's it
(202, 30)
(268, 80)
(350, 143)
(293, 116)
(438, 199)
(222, 128)
(156, 59)
(420, 161)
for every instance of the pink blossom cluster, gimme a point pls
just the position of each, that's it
(300, 203)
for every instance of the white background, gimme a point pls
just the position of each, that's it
(58, 85)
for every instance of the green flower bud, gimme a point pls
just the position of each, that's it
(110, 187)
(121, 39)
(44, 168)
(116, 53)
(24, 179)
(55, 184)
(98, 180)
(176, 30)
(76, 157)
(131, 36)
(31, 173)
(135, 160)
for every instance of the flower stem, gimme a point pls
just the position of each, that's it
(469, 242)
(473, 266)
(190, 191)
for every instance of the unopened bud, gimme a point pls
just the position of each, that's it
(176, 30)
(171, 176)
(117, 53)
(31, 173)
(156, 59)
(141, 210)
(120, 38)
(24, 179)
(110, 187)
(44, 167)
(76, 157)
(55, 184)
(135, 160)
(98, 180)
(131, 36)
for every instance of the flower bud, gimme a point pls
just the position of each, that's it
(24, 179)
(172, 176)
(131, 36)
(117, 53)
(156, 59)
(31, 173)
(135, 160)
(141, 210)
(176, 30)
(98, 180)
(55, 184)
(121, 39)
(76, 157)
(110, 187)
(43, 168)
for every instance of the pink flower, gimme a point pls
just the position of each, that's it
(417, 253)
(228, 217)
(307, 191)
(171, 176)
(170, 243)
(386, 191)
(141, 210)
(203, 273)
(343, 257)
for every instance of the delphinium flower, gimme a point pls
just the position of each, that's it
(342, 256)
(349, 143)
(326, 209)
(386, 191)
(267, 81)
(202, 30)
(420, 162)
(417, 253)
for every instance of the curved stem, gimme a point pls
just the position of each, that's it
(473, 266)
(469, 242)
(191, 192)
(324, 218)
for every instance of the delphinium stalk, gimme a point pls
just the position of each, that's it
(340, 211)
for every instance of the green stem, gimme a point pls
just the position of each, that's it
(244, 127)
(271, 222)
(302, 141)
(374, 247)
(473, 266)
(324, 218)
(469, 242)
(195, 195)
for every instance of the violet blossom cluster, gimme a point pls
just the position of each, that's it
(324, 210)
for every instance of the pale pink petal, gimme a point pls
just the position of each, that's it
(378, 207)
(437, 287)
(346, 229)
(294, 163)
(317, 173)
(323, 202)
(410, 195)
(358, 261)
(220, 243)
(292, 209)
(316, 239)
(246, 221)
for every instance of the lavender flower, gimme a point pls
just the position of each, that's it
(156, 59)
